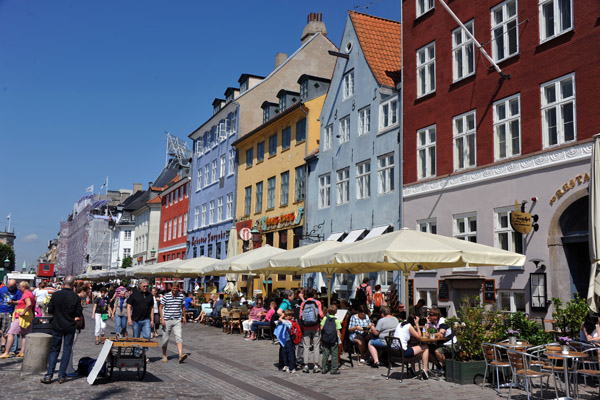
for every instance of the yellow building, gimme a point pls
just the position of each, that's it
(271, 176)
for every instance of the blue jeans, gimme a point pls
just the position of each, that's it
(288, 353)
(120, 324)
(254, 326)
(57, 339)
(142, 327)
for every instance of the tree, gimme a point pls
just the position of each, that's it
(7, 251)
(127, 262)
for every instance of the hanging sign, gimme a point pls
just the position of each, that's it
(520, 221)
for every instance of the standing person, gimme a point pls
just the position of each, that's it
(65, 305)
(311, 313)
(156, 319)
(331, 327)
(287, 349)
(172, 314)
(140, 305)
(378, 299)
(296, 304)
(100, 315)
(119, 314)
(364, 293)
(40, 294)
(83, 292)
(23, 311)
(9, 297)
(286, 303)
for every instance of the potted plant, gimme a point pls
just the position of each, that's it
(431, 332)
(512, 335)
(564, 344)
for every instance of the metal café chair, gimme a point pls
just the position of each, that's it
(493, 363)
(520, 365)
(589, 372)
(397, 354)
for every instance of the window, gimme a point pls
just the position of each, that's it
(558, 111)
(185, 223)
(165, 232)
(272, 145)
(218, 250)
(389, 114)
(199, 179)
(222, 133)
(199, 147)
(430, 296)
(212, 212)
(426, 139)
(282, 103)
(229, 205)
(426, 70)
(304, 89)
(214, 171)
(300, 184)
(126, 252)
(260, 152)
(301, 130)
(222, 170)
(385, 172)
(423, 6)
(363, 180)
(505, 237)
(328, 137)
(175, 196)
(507, 127)
(286, 138)
(127, 235)
(463, 52)
(512, 301)
(265, 114)
(231, 161)
(324, 190)
(228, 121)
(205, 139)
(170, 229)
(537, 286)
(364, 121)
(344, 129)
(284, 193)
(505, 33)
(204, 215)
(213, 136)
(206, 175)
(247, 200)
(342, 186)
(259, 197)
(179, 226)
(427, 225)
(465, 227)
(464, 140)
(249, 157)
(348, 84)
(233, 123)
(220, 215)
(556, 18)
(271, 193)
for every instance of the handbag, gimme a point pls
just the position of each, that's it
(104, 317)
(25, 319)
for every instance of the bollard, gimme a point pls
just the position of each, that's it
(37, 352)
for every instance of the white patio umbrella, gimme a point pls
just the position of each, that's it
(155, 269)
(194, 267)
(232, 250)
(593, 296)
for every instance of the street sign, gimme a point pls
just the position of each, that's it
(245, 234)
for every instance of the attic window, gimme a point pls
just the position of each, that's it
(349, 46)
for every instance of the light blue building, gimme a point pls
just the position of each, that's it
(354, 180)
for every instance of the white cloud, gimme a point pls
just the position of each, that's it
(31, 238)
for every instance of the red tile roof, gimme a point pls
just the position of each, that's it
(380, 40)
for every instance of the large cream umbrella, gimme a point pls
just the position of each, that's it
(593, 296)
(231, 287)
(194, 267)
(155, 269)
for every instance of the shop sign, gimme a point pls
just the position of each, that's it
(521, 221)
(571, 184)
(282, 221)
(208, 238)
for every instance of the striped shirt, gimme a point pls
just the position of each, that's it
(355, 321)
(172, 306)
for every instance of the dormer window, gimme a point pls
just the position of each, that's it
(216, 109)
(229, 98)
(244, 86)
(265, 115)
(304, 89)
(282, 102)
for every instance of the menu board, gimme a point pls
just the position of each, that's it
(443, 291)
(489, 290)
(411, 292)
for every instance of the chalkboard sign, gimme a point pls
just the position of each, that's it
(443, 292)
(489, 290)
(411, 292)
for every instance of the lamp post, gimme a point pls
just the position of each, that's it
(4, 270)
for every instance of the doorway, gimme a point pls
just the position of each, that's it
(574, 226)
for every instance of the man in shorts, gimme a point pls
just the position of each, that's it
(9, 297)
(172, 314)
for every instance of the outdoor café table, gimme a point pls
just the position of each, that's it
(571, 355)
(431, 343)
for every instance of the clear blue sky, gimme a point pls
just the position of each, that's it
(88, 87)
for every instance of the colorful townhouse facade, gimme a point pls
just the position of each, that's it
(485, 141)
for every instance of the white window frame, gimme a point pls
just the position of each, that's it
(385, 173)
(127, 235)
(364, 121)
(165, 232)
(234, 116)
(558, 105)
(557, 17)
(170, 229)
(211, 211)
(204, 215)
(426, 152)
(461, 133)
(467, 234)
(284, 190)
(324, 191)
(423, 6)
(258, 203)
(180, 226)
(300, 183)
(508, 23)
(220, 216)
(429, 295)
(185, 223)
(506, 121)
(511, 296)
(363, 180)
(388, 114)
(223, 166)
(199, 147)
(428, 225)
(197, 217)
(463, 52)
(214, 171)
(328, 137)
(229, 206)
(348, 82)
(426, 81)
(231, 161)
(503, 227)
(206, 175)
(344, 129)
(342, 186)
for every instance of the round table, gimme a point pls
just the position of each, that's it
(567, 356)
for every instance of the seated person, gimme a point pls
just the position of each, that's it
(256, 314)
(405, 331)
(590, 330)
(385, 326)
(416, 309)
(190, 305)
(359, 327)
(266, 322)
(219, 304)
(235, 302)
(202, 316)
(441, 350)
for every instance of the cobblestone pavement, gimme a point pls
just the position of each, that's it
(222, 366)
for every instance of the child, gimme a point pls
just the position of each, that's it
(330, 338)
(287, 349)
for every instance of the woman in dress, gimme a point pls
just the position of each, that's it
(23, 310)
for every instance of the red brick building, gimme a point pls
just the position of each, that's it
(476, 140)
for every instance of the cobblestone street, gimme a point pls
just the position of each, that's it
(222, 366)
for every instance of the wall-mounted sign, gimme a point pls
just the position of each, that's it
(578, 180)
(520, 221)
(209, 238)
(443, 291)
(282, 221)
(489, 290)
(245, 234)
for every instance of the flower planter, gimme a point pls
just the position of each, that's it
(465, 372)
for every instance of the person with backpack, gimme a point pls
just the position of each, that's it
(364, 293)
(330, 340)
(289, 334)
(311, 314)
(378, 299)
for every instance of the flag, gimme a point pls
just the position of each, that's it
(105, 184)
(8, 216)
(90, 189)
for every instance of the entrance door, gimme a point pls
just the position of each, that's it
(574, 226)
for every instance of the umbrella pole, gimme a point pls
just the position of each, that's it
(406, 305)
(329, 279)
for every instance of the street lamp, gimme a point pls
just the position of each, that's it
(6, 262)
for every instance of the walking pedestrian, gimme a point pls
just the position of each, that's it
(40, 294)
(82, 291)
(139, 311)
(100, 315)
(9, 297)
(156, 314)
(172, 314)
(119, 313)
(65, 306)
(21, 324)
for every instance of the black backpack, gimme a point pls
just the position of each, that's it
(329, 332)
(361, 294)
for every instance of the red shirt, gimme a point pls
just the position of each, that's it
(21, 304)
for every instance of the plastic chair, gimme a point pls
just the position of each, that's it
(520, 365)
(493, 362)
(397, 354)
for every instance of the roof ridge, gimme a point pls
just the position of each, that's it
(373, 16)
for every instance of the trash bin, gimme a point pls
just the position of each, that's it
(42, 325)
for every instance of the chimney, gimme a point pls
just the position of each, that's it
(137, 187)
(314, 25)
(280, 58)
(149, 185)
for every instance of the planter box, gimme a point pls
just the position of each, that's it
(465, 373)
